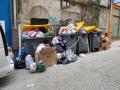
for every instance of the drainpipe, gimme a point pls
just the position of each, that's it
(14, 12)
(110, 21)
(61, 3)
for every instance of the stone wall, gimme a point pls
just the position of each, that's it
(52, 8)
(105, 3)
(104, 19)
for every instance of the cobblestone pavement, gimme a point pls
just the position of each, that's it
(97, 71)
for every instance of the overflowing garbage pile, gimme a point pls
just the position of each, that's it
(42, 47)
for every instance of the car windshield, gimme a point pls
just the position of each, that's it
(1, 41)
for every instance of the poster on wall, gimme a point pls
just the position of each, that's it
(2, 23)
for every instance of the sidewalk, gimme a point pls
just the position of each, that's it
(97, 71)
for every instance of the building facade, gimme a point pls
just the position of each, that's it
(93, 12)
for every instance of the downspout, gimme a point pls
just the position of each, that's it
(15, 14)
(61, 3)
(110, 21)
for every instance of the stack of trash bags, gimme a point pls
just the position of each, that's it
(37, 34)
(64, 56)
(69, 29)
(23, 60)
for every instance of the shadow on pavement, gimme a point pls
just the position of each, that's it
(5, 81)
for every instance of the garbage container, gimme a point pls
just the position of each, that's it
(82, 45)
(71, 41)
(94, 39)
(31, 44)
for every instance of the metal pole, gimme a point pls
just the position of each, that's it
(19, 33)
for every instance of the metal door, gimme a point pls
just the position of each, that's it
(115, 27)
(5, 15)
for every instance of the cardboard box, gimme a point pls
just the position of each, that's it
(105, 45)
(47, 55)
(106, 42)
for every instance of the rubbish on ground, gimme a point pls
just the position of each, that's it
(40, 47)
(30, 85)
(55, 65)
(11, 55)
(65, 61)
(71, 56)
(66, 38)
(28, 61)
(59, 55)
(19, 60)
(59, 48)
(57, 40)
(47, 55)
(105, 41)
(43, 45)
(82, 55)
(33, 67)
(40, 67)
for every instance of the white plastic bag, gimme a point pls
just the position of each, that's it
(33, 67)
(71, 28)
(63, 30)
(71, 56)
(28, 61)
(40, 47)
(55, 40)
(40, 35)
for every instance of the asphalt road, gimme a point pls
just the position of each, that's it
(97, 71)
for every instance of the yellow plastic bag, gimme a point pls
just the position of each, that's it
(90, 28)
(27, 27)
(79, 25)
(98, 30)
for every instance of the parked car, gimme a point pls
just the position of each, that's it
(6, 62)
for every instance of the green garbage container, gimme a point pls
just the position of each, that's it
(94, 39)
(31, 44)
(82, 45)
(71, 41)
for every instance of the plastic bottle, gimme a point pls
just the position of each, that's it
(28, 61)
